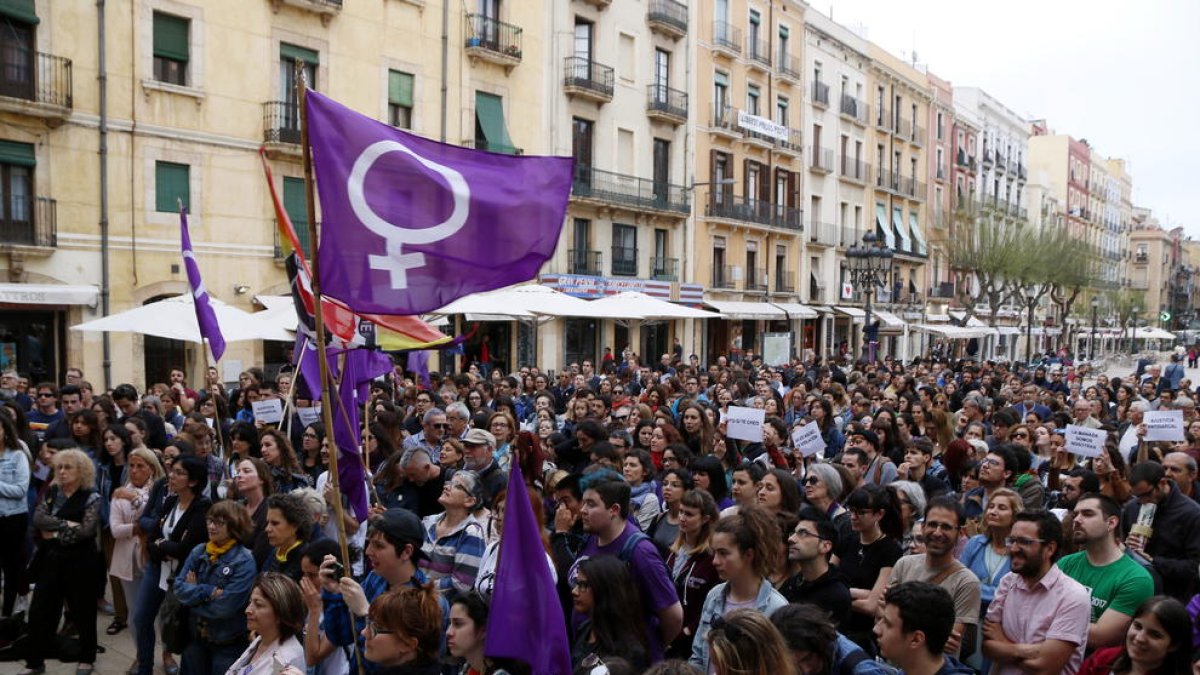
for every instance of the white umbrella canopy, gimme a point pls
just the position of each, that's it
(639, 305)
(538, 299)
(489, 304)
(175, 319)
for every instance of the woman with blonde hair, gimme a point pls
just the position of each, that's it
(987, 554)
(746, 643)
(128, 502)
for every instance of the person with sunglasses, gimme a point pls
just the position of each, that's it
(434, 429)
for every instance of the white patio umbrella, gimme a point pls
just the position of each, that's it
(175, 319)
(484, 307)
(543, 300)
(639, 305)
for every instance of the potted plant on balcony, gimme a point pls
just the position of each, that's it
(513, 51)
(473, 41)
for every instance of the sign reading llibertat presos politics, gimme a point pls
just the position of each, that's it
(762, 125)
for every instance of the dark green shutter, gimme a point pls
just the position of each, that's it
(170, 185)
(295, 203)
(21, 10)
(170, 37)
(289, 52)
(20, 154)
(400, 89)
(489, 110)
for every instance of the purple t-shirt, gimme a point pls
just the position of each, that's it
(650, 574)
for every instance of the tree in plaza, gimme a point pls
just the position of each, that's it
(1125, 302)
(1076, 268)
(983, 252)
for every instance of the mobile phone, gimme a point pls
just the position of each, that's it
(337, 570)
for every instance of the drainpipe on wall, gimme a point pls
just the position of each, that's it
(445, 64)
(102, 78)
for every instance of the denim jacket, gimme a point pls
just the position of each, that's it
(14, 483)
(233, 572)
(767, 602)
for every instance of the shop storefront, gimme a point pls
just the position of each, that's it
(33, 327)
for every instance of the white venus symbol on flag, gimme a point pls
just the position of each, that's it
(395, 261)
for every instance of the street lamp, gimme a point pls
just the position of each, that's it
(869, 266)
(1030, 297)
(1092, 341)
(1133, 337)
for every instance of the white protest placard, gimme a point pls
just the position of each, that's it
(268, 411)
(1164, 425)
(745, 424)
(1085, 442)
(808, 440)
(309, 415)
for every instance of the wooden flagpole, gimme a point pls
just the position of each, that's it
(318, 317)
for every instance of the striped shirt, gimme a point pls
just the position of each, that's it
(452, 561)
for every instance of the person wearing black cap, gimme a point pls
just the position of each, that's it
(879, 470)
(394, 540)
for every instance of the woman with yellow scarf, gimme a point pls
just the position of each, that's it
(215, 584)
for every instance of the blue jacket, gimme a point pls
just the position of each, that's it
(233, 572)
(14, 483)
(974, 556)
(767, 602)
(867, 666)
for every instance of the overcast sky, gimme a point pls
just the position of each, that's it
(1123, 75)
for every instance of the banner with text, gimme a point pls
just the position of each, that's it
(745, 424)
(1085, 442)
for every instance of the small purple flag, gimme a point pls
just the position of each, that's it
(362, 366)
(526, 619)
(412, 224)
(206, 317)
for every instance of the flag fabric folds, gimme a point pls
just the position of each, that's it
(206, 317)
(526, 620)
(411, 224)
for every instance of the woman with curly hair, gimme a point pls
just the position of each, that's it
(289, 528)
(604, 593)
(277, 452)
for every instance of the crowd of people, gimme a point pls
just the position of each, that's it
(943, 528)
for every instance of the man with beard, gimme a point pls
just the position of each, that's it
(817, 583)
(1118, 584)
(1038, 621)
(942, 528)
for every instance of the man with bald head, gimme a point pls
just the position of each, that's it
(1181, 468)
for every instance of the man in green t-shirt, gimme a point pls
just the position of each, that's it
(1117, 583)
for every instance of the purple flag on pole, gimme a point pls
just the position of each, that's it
(411, 224)
(362, 366)
(526, 619)
(206, 317)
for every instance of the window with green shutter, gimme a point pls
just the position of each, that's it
(400, 99)
(170, 48)
(19, 10)
(296, 205)
(171, 185)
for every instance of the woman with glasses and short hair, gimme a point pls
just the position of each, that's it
(275, 615)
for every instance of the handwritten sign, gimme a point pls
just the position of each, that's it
(268, 411)
(309, 415)
(1164, 425)
(1085, 442)
(808, 440)
(745, 423)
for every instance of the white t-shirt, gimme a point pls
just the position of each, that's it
(167, 568)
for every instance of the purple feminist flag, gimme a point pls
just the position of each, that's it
(412, 224)
(206, 317)
(526, 619)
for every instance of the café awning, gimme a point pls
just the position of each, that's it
(747, 311)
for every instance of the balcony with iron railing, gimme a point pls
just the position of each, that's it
(484, 144)
(325, 8)
(727, 40)
(666, 104)
(849, 235)
(854, 170)
(726, 206)
(756, 280)
(36, 84)
(588, 79)
(493, 41)
(668, 17)
(628, 191)
(820, 93)
(943, 290)
(722, 277)
(794, 145)
(760, 54)
(585, 261)
(883, 119)
(785, 281)
(624, 261)
(853, 109)
(281, 129)
(788, 68)
(821, 160)
(916, 135)
(823, 234)
(902, 126)
(27, 221)
(664, 269)
(724, 122)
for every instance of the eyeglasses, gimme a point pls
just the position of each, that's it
(374, 630)
(1023, 542)
(1020, 434)
(441, 425)
(805, 534)
(990, 461)
(862, 512)
(581, 584)
(45, 394)
(812, 480)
